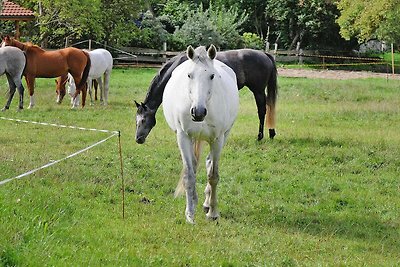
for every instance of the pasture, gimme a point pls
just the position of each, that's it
(325, 191)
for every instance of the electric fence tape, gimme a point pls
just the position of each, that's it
(113, 133)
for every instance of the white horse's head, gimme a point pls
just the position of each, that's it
(201, 79)
(71, 91)
(71, 85)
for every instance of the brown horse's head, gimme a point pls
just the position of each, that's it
(60, 87)
(7, 41)
(10, 41)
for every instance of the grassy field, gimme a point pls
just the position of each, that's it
(325, 191)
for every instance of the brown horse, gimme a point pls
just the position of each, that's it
(51, 64)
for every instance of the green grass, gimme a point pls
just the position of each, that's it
(324, 192)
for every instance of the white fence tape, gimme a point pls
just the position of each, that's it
(113, 133)
(59, 125)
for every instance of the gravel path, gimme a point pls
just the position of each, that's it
(333, 74)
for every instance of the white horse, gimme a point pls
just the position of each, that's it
(101, 63)
(200, 103)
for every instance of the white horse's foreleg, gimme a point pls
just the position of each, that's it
(75, 102)
(207, 191)
(210, 204)
(31, 102)
(188, 174)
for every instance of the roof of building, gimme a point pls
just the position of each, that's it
(13, 11)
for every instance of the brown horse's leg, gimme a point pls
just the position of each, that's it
(84, 92)
(30, 82)
(80, 89)
(95, 85)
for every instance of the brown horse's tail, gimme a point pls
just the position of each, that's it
(85, 73)
(272, 95)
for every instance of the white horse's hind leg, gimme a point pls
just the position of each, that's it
(188, 174)
(100, 84)
(89, 86)
(106, 85)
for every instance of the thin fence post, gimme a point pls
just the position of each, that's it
(165, 51)
(90, 44)
(267, 46)
(66, 41)
(275, 50)
(122, 175)
(392, 59)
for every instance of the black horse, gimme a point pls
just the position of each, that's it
(254, 69)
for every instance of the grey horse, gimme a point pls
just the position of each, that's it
(12, 63)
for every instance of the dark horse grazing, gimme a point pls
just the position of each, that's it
(254, 69)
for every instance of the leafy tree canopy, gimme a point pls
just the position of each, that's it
(367, 19)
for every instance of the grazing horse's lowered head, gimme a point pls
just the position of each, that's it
(145, 121)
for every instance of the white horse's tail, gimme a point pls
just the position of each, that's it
(180, 188)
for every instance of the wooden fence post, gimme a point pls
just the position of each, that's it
(165, 51)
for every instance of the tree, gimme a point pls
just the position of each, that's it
(367, 19)
(57, 19)
(216, 25)
(310, 22)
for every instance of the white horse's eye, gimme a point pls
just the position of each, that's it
(212, 76)
(189, 76)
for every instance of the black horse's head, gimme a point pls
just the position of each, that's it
(145, 121)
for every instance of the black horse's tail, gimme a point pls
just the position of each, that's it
(272, 95)
(85, 73)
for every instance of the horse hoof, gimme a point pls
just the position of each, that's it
(260, 136)
(206, 209)
(212, 217)
(190, 219)
(272, 133)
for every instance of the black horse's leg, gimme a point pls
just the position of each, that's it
(261, 102)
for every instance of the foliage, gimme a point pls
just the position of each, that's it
(151, 33)
(312, 23)
(370, 19)
(325, 191)
(252, 40)
(216, 25)
(198, 30)
(58, 19)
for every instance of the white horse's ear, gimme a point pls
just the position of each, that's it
(212, 51)
(190, 52)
